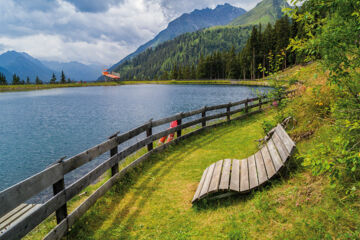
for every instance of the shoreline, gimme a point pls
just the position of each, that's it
(32, 87)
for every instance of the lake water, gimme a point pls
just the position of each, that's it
(39, 127)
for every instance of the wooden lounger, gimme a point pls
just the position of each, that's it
(240, 176)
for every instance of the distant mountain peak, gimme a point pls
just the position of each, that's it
(266, 11)
(190, 22)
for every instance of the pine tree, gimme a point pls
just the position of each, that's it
(3, 79)
(38, 81)
(53, 79)
(28, 81)
(63, 78)
(16, 80)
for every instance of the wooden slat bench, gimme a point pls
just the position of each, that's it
(239, 176)
(16, 215)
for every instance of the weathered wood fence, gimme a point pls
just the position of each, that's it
(54, 175)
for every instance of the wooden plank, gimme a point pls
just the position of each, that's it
(19, 193)
(244, 176)
(288, 142)
(261, 171)
(280, 147)
(274, 154)
(92, 153)
(11, 213)
(166, 120)
(20, 229)
(235, 176)
(215, 180)
(253, 178)
(15, 216)
(225, 175)
(200, 185)
(205, 188)
(269, 165)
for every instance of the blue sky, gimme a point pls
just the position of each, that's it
(90, 31)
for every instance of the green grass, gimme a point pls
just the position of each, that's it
(154, 201)
(17, 88)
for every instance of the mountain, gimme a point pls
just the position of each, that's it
(267, 11)
(75, 70)
(190, 22)
(24, 66)
(7, 74)
(186, 49)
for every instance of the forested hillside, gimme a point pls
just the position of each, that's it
(267, 11)
(187, 50)
(265, 52)
(184, 50)
(190, 22)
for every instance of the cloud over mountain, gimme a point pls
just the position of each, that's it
(89, 31)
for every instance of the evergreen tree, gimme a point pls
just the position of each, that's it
(3, 79)
(28, 80)
(38, 81)
(16, 80)
(63, 78)
(53, 79)
(69, 80)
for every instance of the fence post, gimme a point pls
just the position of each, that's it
(228, 111)
(61, 213)
(203, 115)
(179, 121)
(113, 152)
(247, 106)
(260, 102)
(150, 146)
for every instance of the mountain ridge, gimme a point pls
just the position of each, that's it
(24, 65)
(187, 49)
(189, 22)
(266, 11)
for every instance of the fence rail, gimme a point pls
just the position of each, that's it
(54, 175)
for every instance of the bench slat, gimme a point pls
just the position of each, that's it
(225, 176)
(197, 193)
(262, 176)
(289, 144)
(244, 178)
(208, 177)
(269, 165)
(214, 184)
(253, 178)
(274, 155)
(235, 176)
(280, 147)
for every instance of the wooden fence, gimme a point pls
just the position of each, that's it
(54, 175)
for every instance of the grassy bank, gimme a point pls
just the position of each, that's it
(15, 88)
(154, 201)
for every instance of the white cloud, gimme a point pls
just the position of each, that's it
(89, 31)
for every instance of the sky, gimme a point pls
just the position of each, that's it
(90, 31)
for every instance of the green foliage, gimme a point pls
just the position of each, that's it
(332, 30)
(53, 79)
(265, 49)
(38, 81)
(63, 78)
(16, 80)
(183, 51)
(3, 79)
(267, 11)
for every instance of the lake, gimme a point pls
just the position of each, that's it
(39, 127)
